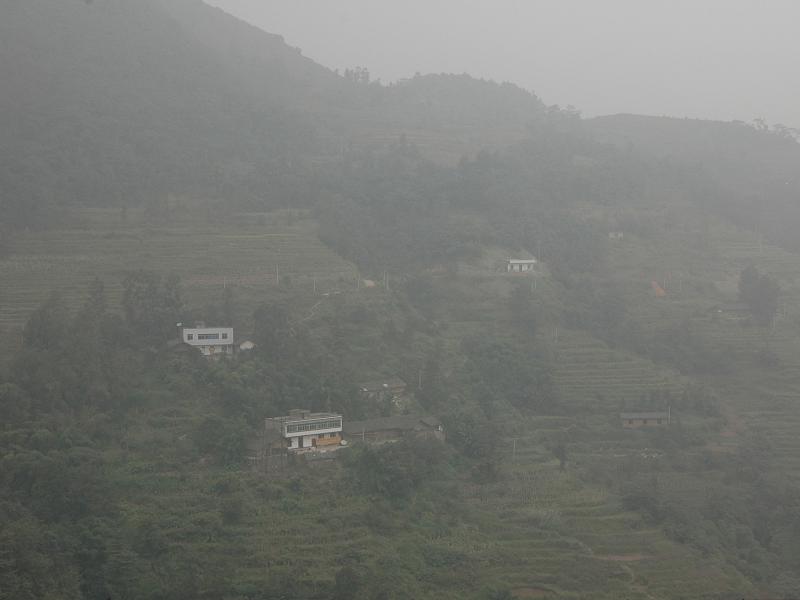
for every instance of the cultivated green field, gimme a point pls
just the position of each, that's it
(756, 397)
(540, 530)
(247, 254)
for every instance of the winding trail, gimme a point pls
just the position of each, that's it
(311, 313)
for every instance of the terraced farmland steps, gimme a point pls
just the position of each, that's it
(205, 257)
(587, 369)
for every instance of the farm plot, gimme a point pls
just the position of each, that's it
(251, 257)
(589, 374)
(764, 398)
(551, 532)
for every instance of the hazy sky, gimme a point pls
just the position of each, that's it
(722, 59)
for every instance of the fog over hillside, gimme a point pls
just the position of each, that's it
(714, 59)
(274, 329)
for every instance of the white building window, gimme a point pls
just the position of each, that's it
(300, 427)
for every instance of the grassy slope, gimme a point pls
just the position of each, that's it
(755, 397)
(547, 525)
(698, 269)
(538, 530)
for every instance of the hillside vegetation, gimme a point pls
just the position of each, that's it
(194, 168)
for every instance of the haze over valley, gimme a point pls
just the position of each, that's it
(274, 328)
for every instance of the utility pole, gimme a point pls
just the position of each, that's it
(315, 286)
(514, 450)
(277, 275)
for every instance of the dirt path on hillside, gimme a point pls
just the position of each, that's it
(625, 561)
(311, 313)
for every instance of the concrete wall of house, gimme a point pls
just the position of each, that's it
(215, 350)
(314, 440)
(198, 336)
(520, 267)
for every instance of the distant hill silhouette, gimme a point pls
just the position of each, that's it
(117, 103)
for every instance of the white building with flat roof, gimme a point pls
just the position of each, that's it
(211, 341)
(521, 265)
(302, 429)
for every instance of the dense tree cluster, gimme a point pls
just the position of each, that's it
(74, 406)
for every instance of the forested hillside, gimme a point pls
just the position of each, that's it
(752, 167)
(163, 163)
(114, 102)
(119, 103)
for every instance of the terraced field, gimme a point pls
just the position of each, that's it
(755, 397)
(589, 373)
(546, 523)
(541, 531)
(247, 255)
(762, 399)
(590, 376)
